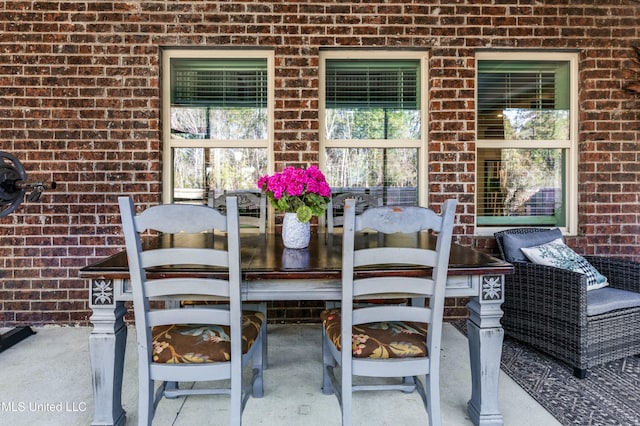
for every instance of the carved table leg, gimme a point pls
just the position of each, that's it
(485, 335)
(106, 346)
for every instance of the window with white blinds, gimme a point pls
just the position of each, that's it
(372, 123)
(217, 113)
(526, 139)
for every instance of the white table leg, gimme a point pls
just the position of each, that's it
(106, 347)
(485, 336)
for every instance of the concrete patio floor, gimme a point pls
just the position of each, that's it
(46, 380)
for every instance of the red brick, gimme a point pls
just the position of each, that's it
(81, 106)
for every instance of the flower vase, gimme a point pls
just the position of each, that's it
(295, 234)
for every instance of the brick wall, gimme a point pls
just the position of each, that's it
(79, 104)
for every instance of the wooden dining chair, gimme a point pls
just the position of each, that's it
(252, 207)
(190, 345)
(335, 207)
(388, 341)
(335, 219)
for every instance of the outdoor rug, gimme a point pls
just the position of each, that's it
(610, 395)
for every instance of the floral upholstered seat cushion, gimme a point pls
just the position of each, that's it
(197, 343)
(392, 339)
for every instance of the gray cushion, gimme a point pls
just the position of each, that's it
(512, 243)
(609, 299)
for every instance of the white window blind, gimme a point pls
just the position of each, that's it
(527, 86)
(389, 84)
(219, 83)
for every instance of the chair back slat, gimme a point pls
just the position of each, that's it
(394, 255)
(176, 218)
(398, 219)
(386, 286)
(185, 256)
(189, 316)
(376, 314)
(180, 287)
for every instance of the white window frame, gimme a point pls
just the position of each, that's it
(571, 145)
(420, 144)
(169, 143)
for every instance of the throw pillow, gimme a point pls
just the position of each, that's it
(557, 253)
(512, 243)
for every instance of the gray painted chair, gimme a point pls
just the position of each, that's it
(389, 341)
(251, 204)
(190, 345)
(335, 207)
(335, 216)
(252, 208)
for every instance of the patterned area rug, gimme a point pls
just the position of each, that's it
(610, 395)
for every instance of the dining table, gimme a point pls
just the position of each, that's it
(271, 272)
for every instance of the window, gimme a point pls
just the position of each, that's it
(372, 123)
(216, 122)
(526, 140)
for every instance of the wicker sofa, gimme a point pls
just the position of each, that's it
(551, 310)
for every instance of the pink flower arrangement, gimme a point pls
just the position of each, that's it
(295, 190)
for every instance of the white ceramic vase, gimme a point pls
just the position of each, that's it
(295, 234)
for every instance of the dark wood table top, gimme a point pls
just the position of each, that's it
(264, 257)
